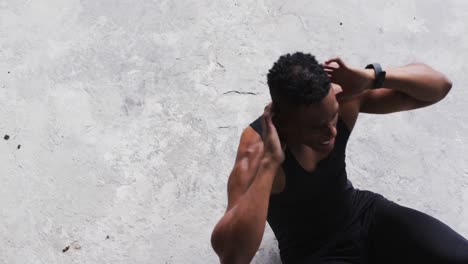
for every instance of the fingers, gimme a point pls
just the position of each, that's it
(334, 63)
(331, 66)
(328, 69)
(269, 115)
(270, 131)
(266, 118)
(267, 110)
(329, 72)
(335, 59)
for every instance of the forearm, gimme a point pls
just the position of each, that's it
(418, 81)
(243, 226)
(252, 207)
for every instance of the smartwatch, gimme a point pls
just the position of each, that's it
(379, 75)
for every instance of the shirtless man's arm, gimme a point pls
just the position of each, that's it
(237, 236)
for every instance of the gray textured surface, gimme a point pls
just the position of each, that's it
(129, 114)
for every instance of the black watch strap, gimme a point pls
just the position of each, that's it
(379, 74)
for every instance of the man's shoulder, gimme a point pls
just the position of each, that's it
(256, 125)
(251, 135)
(250, 143)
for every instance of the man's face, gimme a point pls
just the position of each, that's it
(315, 125)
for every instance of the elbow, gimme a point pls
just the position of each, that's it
(440, 80)
(446, 86)
(231, 249)
(218, 239)
(227, 254)
(225, 246)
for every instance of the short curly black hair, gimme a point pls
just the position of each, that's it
(298, 79)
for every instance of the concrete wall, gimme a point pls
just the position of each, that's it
(129, 114)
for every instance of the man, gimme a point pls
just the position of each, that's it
(290, 171)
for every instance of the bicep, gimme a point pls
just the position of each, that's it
(248, 158)
(385, 101)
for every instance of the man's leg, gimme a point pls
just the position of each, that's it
(403, 235)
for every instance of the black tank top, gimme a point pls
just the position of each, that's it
(313, 207)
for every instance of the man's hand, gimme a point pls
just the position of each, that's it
(353, 81)
(273, 147)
